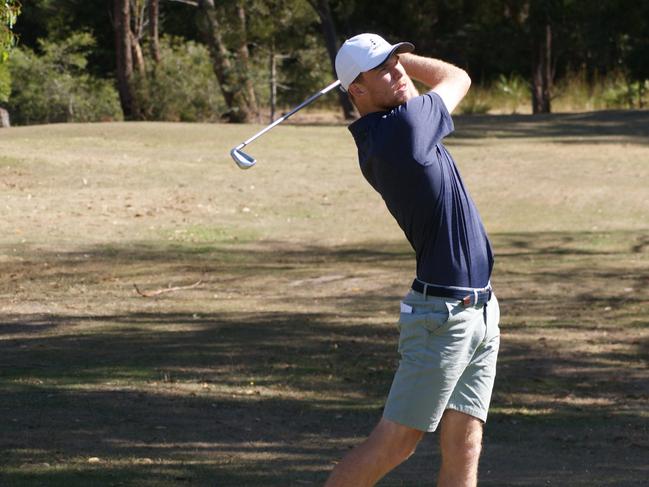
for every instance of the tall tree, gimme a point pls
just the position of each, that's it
(130, 23)
(136, 26)
(154, 18)
(123, 57)
(244, 59)
(542, 70)
(541, 20)
(230, 65)
(323, 10)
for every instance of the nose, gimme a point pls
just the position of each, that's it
(397, 71)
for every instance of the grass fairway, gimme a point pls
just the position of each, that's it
(280, 357)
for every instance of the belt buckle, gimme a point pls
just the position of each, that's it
(470, 299)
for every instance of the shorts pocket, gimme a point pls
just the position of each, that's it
(417, 323)
(429, 318)
(493, 317)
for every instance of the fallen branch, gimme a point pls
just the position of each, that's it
(149, 294)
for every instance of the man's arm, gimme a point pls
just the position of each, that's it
(449, 82)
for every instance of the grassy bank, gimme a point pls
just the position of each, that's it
(572, 93)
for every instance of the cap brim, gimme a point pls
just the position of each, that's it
(398, 48)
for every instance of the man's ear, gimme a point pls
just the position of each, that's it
(356, 89)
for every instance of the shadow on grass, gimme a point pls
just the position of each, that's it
(597, 126)
(631, 126)
(180, 392)
(260, 387)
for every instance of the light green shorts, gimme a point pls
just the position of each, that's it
(448, 360)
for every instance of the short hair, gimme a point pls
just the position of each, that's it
(357, 79)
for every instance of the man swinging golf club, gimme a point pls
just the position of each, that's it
(449, 333)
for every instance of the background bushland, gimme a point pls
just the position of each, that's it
(55, 86)
(238, 60)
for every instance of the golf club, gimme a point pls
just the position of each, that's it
(245, 161)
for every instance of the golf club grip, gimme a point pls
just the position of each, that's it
(296, 109)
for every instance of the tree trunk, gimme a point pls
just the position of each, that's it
(138, 57)
(121, 11)
(542, 73)
(136, 27)
(154, 16)
(273, 81)
(329, 32)
(4, 118)
(244, 57)
(233, 92)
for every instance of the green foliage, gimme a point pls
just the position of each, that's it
(292, 27)
(515, 90)
(56, 20)
(475, 103)
(182, 87)
(492, 39)
(305, 71)
(9, 11)
(54, 86)
(626, 94)
(5, 82)
(573, 93)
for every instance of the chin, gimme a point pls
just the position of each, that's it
(398, 99)
(409, 95)
(402, 98)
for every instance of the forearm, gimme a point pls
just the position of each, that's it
(448, 81)
(431, 71)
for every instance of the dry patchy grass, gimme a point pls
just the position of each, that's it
(281, 358)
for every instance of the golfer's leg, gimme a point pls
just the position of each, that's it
(460, 441)
(388, 445)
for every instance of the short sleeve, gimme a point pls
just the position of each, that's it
(423, 121)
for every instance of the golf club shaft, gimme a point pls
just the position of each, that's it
(284, 117)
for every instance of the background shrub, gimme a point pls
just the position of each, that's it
(182, 86)
(53, 86)
(5, 82)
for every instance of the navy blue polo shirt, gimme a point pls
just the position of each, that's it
(402, 156)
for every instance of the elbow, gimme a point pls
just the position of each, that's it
(466, 80)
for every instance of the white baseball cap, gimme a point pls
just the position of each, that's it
(362, 53)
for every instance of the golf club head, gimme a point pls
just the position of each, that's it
(243, 160)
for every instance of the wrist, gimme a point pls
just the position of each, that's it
(421, 68)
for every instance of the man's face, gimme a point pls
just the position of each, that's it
(388, 85)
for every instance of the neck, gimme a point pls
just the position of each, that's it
(365, 108)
